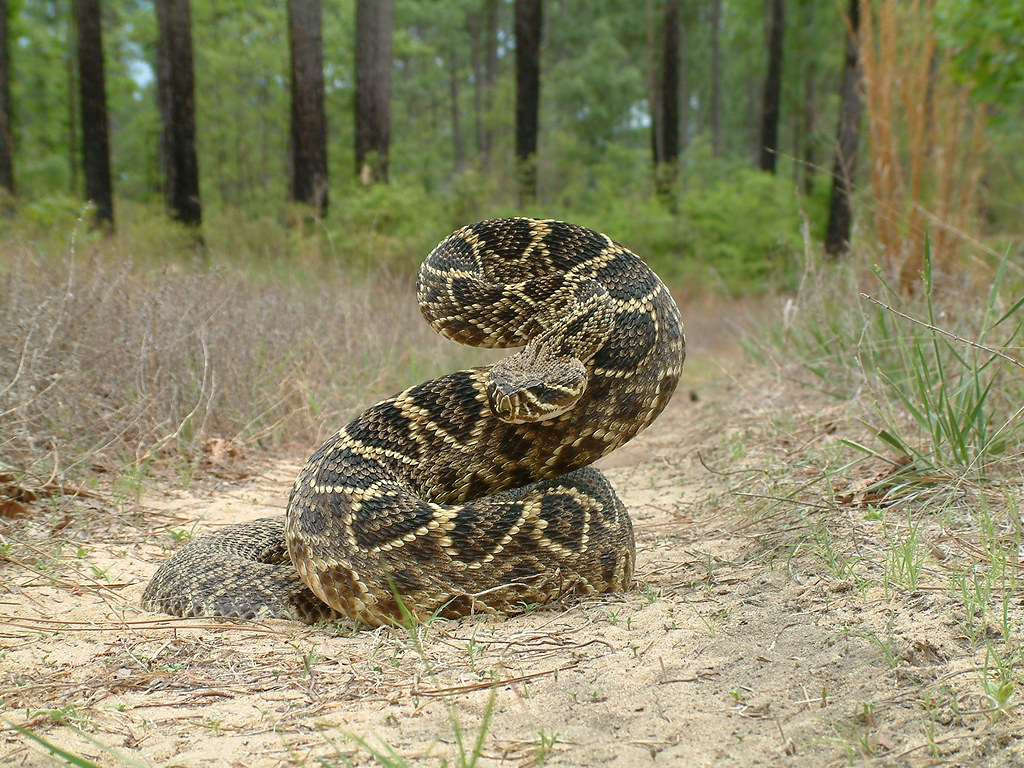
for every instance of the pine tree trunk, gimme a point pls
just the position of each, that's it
(528, 31)
(772, 87)
(93, 100)
(653, 82)
(809, 165)
(176, 96)
(840, 209)
(308, 166)
(665, 122)
(6, 139)
(374, 19)
(716, 77)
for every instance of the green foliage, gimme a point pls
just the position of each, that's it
(241, 64)
(129, 53)
(745, 229)
(736, 229)
(727, 225)
(595, 122)
(596, 88)
(43, 114)
(986, 41)
(44, 215)
(395, 225)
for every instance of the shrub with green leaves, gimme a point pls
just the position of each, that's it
(744, 228)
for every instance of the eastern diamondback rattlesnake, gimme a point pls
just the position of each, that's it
(473, 491)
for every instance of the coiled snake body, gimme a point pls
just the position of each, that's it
(471, 492)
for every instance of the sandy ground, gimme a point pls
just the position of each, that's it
(732, 650)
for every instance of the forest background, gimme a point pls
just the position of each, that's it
(272, 155)
(451, 151)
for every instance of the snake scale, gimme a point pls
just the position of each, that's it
(472, 492)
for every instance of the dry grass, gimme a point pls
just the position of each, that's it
(108, 362)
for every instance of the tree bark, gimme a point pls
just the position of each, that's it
(308, 166)
(840, 209)
(769, 143)
(176, 96)
(653, 81)
(809, 164)
(93, 100)
(716, 77)
(6, 139)
(374, 20)
(665, 122)
(528, 32)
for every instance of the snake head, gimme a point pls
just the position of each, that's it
(532, 386)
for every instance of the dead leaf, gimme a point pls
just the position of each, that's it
(225, 458)
(871, 491)
(13, 489)
(11, 509)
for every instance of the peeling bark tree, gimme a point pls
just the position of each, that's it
(308, 183)
(772, 86)
(93, 100)
(374, 19)
(175, 92)
(6, 142)
(840, 209)
(528, 31)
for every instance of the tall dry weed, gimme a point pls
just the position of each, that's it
(925, 139)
